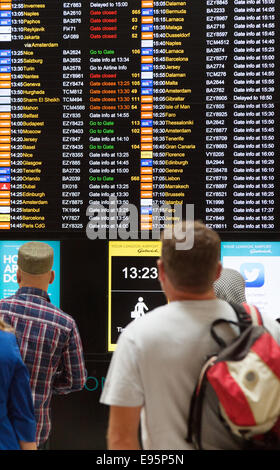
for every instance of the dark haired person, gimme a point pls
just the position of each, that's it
(48, 338)
(158, 358)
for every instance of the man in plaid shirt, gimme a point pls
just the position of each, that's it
(48, 338)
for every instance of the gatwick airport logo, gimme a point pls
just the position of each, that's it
(117, 221)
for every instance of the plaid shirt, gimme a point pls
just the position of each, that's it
(50, 346)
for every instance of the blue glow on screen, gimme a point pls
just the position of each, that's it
(259, 264)
(8, 269)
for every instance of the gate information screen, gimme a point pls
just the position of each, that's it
(133, 285)
(150, 102)
(259, 264)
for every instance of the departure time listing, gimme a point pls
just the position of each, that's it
(150, 102)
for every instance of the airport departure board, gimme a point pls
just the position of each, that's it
(149, 102)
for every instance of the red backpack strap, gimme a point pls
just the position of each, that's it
(254, 313)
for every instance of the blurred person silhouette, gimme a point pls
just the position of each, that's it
(17, 420)
(230, 286)
(48, 338)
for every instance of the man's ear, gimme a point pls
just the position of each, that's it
(219, 270)
(161, 273)
(52, 277)
(18, 276)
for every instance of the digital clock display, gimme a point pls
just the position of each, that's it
(140, 273)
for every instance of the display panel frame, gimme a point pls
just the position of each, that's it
(128, 251)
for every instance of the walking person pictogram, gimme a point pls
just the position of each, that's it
(139, 309)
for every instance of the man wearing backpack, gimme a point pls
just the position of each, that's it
(158, 359)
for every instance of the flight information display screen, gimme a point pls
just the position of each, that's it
(149, 102)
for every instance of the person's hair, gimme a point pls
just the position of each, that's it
(5, 327)
(194, 269)
(230, 286)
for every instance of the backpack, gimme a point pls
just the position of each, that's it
(236, 402)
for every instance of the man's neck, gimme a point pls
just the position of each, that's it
(176, 296)
(41, 287)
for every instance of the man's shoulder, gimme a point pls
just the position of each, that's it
(165, 316)
(147, 322)
(60, 316)
(43, 311)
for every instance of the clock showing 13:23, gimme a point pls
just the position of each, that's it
(135, 273)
